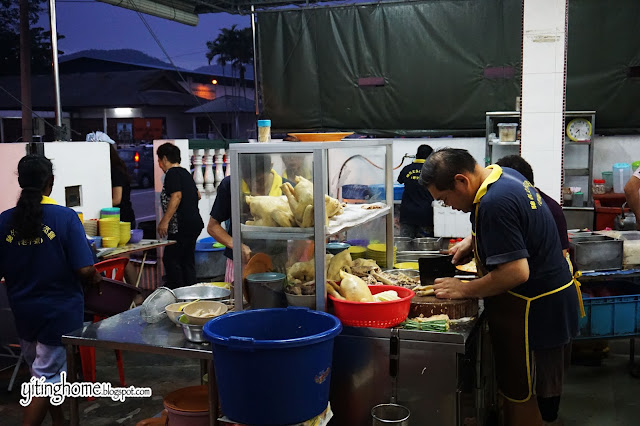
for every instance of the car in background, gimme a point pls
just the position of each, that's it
(140, 164)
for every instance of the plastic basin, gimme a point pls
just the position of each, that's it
(273, 366)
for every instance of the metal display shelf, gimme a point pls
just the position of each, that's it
(271, 233)
(319, 151)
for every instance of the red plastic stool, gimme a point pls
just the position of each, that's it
(112, 268)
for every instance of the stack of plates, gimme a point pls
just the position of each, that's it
(357, 252)
(125, 233)
(90, 227)
(109, 228)
(110, 213)
(378, 252)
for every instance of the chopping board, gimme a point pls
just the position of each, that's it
(431, 305)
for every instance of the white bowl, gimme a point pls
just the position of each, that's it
(214, 309)
(174, 311)
(303, 300)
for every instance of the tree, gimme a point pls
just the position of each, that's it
(232, 46)
(10, 38)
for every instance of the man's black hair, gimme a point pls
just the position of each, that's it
(518, 164)
(443, 165)
(424, 151)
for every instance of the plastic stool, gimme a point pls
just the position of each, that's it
(112, 268)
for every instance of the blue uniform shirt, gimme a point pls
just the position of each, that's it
(514, 223)
(44, 292)
(415, 208)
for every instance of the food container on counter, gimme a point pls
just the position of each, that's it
(403, 243)
(302, 300)
(192, 332)
(507, 132)
(608, 180)
(621, 175)
(199, 313)
(264, 130)
(378, 314)
(190, 293)
(427, 243)
(266, 290)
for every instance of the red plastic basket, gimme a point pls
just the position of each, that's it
(378, 314)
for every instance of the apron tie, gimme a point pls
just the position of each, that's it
(577, 283)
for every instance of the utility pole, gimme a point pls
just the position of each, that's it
(25, 71)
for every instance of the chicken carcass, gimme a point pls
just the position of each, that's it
(301, 202)
(269, 211)
(354, 289)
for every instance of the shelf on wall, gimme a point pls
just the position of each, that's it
(516, 143)
(584, 171)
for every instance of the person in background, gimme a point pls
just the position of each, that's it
(632, 193)
(45, 261)
(547, 394)
(527, 287)
(121, 198)
(521, 166)
(181, 221)
(416, 211)
(258, 179)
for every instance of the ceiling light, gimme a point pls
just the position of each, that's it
(182, 13)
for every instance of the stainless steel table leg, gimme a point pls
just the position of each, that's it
(74, 419)
(213, 395)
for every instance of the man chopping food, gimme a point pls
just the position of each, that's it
(528, 291)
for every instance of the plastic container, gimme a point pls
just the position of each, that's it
(355, 192)
(507, 132)
(266, 290)
(336, 247)
(136, 236)
(621, 175)
(578, 199)
(273, 366)
(611, 316)
(109, 298)
(635, 165)
(376, 315)
(210, 260)
(264, 130)
(598, 187)
(398, 190)
(608, 181)
(188, 406)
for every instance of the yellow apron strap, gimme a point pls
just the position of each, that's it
(576, 275)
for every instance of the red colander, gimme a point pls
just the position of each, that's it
(375, 314)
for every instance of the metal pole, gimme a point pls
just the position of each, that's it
(255, 61)
(56, 70)
(25, 72)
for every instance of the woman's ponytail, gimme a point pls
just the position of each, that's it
(35, 173)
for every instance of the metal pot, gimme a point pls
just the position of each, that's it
(403, 243)
(427, 243)
(187, 294)
(390, 415)
(624, 221)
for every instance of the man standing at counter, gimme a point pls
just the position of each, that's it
(525, 282)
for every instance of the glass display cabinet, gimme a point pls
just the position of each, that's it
(291, 220)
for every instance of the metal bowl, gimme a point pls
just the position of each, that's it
(192, 332)
(427, 243)
(187, 294)
(403, 243)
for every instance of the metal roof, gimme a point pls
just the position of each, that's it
(225, 104)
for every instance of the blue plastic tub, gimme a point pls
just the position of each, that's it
(355, 192)
(612, 316)
(210, 261)
(206, 244)
(377, 192)
(398, 190)
(273, 366)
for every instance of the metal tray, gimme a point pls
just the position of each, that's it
(597, 254)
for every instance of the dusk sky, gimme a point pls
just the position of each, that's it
(94, 25)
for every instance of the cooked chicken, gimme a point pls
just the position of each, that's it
(340, 262)
(354, 289)
(364, 267)
(301, 202)
(270, 211)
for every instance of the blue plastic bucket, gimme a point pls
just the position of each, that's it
(273, 366)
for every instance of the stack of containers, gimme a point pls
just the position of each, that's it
(109, 226)
(125, 233)
(90, 227)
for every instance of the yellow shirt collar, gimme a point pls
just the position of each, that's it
(47, 200)
(496, 172)
(275, 190)
(419, 160)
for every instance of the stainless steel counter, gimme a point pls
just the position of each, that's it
(128, 331)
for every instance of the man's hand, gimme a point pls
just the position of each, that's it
(163, 228)
(246, 253)
(461, 251)
(449, 288)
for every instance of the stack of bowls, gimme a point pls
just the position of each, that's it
(109, 242)
(357, 252)
(90, 227)
(378, 252)
(125, 233)
(110, 213)
(109, 228)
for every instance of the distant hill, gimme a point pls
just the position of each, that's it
(117, 55)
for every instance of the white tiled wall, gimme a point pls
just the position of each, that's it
(543, 91)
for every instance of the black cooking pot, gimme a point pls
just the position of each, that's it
(436, 266)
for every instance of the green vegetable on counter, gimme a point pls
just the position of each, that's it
(435, 325)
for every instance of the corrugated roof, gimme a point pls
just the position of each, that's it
(108, 89)
(225, 104)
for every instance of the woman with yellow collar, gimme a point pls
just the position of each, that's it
(528, 290)
(258, 179)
